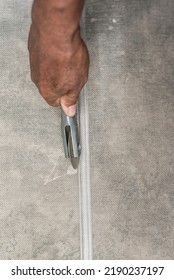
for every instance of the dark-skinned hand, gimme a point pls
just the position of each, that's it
(59, 60)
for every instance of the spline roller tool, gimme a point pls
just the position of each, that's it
(70, 136)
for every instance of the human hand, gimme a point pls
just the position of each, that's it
(59, 65)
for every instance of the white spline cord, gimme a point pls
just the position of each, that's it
(86, 246)
(84, 182)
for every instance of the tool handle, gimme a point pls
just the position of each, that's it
(69, 125)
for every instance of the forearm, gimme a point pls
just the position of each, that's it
(58, 18)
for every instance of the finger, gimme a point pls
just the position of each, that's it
(70, 98)
(49, 96)
(69, 103)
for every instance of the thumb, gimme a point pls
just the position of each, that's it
(69, 103)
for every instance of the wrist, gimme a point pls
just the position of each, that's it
(57, 18)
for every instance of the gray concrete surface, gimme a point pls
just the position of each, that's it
(131, 108)
(131, 105)
(39, 212)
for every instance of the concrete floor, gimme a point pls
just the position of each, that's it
(131, 107)
(39, 211)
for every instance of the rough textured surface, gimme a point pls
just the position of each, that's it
(131, 105)
(38, 189)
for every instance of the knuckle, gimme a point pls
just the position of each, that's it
(49, 97)
(53, 103)
(33, 78)
(44, 93)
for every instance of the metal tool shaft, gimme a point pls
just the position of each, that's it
(70, 136)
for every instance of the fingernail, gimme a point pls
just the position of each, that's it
(71, 110)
